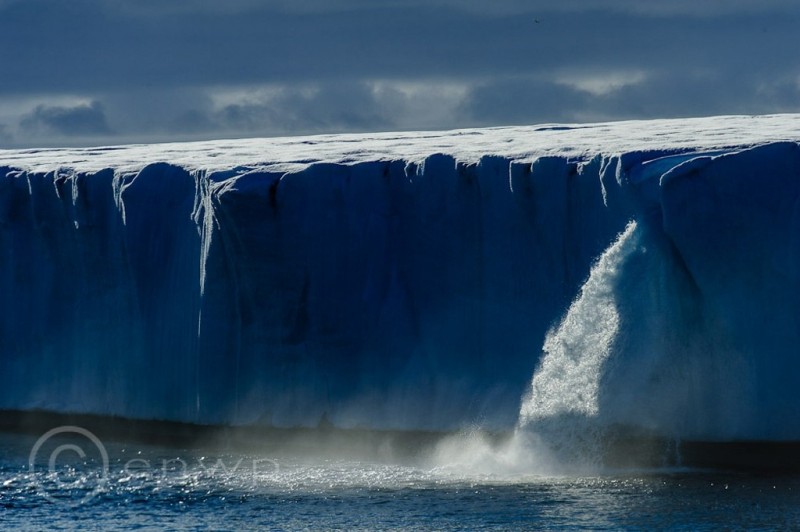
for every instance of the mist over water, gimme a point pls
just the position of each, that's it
(151, 487)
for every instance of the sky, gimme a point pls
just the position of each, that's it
(100, 72)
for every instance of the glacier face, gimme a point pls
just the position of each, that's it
(380, 293)
(689, 325)
(411, 292)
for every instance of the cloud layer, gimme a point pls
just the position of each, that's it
(94, 71)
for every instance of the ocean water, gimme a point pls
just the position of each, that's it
(149, 487)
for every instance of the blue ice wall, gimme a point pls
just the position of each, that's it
(395, 295)
(689, 326)
(733, 224)
(381, 294)
(710, 303)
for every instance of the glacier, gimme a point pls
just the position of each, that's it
(413, 280)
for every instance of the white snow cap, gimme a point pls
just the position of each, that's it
(467, 145)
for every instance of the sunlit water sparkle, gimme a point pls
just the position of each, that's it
(428, 492)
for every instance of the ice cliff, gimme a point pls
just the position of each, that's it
(404, 281)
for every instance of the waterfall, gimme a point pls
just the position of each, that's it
(561, 410)
(567, 380)
(560, 427)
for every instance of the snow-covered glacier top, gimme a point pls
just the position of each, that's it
(291, 154)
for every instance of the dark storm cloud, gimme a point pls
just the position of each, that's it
(484, 7)
(81, 121)
(656, 95)
(522, 101)
(5, 136)
(157, 109)
(703, 94)
(157, 68)
(340, 106)
(343, 106)
(80, 45)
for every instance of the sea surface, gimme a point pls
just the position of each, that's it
(68, 486)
